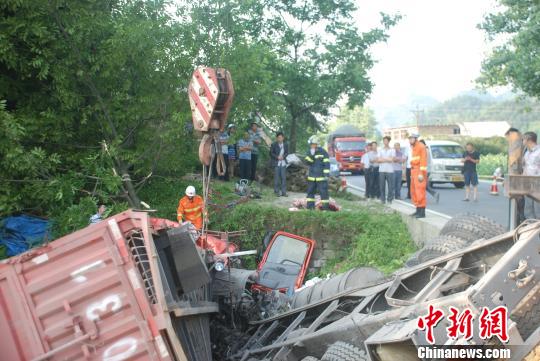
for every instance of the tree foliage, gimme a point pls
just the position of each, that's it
(311, 54)
(516, 61)
(94, 93)
(361, 117)
(93, 100)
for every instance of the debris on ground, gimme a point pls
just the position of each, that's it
(301, 203)
(297, 173)
(20, 233)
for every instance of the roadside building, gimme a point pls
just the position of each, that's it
(462, 129)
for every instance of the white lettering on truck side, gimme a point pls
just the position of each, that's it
(78, 275)
(120, 350)
(113, 301)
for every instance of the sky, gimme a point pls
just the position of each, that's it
(435, 50)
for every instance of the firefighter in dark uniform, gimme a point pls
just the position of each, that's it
(319, 170)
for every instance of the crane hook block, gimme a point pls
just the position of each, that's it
(211, 94)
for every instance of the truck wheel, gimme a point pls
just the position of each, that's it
(471, 227)
(459, 185)
(310, 358)
(528, 319)
(413, 260)
(440, 246)
(534, 355)
(342, 351)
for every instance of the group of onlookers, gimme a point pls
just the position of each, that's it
(245, 150)
(383, 170)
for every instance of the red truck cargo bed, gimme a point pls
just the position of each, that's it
(85, 296)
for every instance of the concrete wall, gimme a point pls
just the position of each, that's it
(421, 230)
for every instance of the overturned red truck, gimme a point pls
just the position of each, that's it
(134, 288)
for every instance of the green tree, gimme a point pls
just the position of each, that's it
(94, 100)
(323, 57)
(516, 60)
(311, 54)
(361, 117)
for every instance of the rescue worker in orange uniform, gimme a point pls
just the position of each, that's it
(418, 175)
(191, 208)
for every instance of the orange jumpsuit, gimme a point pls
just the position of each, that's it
(418, 166)
(191, 210)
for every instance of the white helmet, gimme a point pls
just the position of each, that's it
(313, 140)
(190, 191)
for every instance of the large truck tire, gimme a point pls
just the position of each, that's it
(413, 260)
(440, 246)
(342, 351)
(472, 227)
(527, 318)
(534, 355)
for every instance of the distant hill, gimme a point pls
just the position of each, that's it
(522, 113)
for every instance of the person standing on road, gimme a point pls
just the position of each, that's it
(386, 157)
(255, 138)
(398, 169)
(373, 171)
(470, 159)
(365, 164)
(531, 167)
(429, 189)
(319, 170)
(244, 149)
(279, 150)
(418, 175)
(408, 171)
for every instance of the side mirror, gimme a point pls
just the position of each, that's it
(267, 238)
(262, 247)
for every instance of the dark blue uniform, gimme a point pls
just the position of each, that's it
(319, 170)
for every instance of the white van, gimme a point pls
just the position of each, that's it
(446, 165)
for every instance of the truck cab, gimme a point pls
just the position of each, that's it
(347, 144)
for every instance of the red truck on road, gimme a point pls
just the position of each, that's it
(347, 144)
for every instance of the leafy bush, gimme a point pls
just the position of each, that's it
(492, 145)
(77, 216)
(366, 238)
(490, 162)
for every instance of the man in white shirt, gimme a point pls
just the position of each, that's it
(373, 172)
(386, 158)
(366, 164)
(531, 167)
(407, 152)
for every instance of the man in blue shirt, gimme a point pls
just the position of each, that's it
(98, 217)
(245, 146)
(255, 138)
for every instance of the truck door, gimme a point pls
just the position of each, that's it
(285, 261)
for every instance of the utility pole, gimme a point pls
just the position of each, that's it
(418, 114)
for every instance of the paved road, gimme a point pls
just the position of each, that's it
(494, 207)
